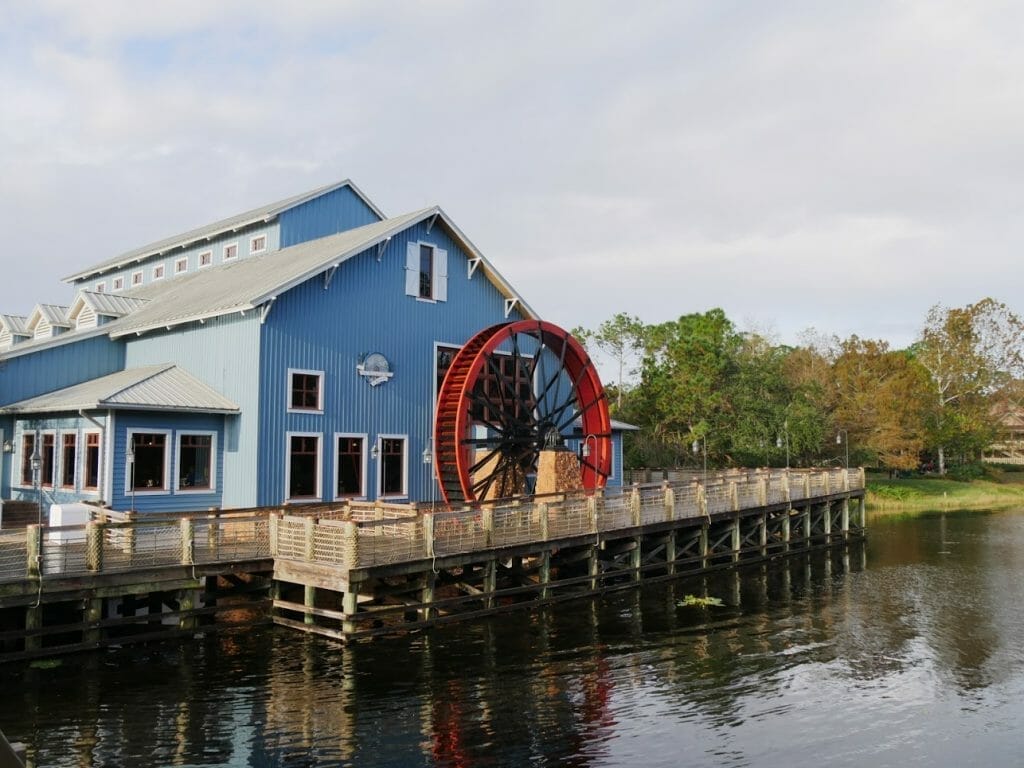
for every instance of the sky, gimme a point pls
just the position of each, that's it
(841, 166)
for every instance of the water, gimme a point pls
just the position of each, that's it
(909, 651)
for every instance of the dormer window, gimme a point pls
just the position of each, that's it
(230, 251)
(118, 284)
(181, 265)
(205, 258)
(137, 278)
(258, 244)
(158, 272)
(100, 287)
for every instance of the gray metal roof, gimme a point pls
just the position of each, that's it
(256, 215)
(248, 283)
(152, 388)
(54, 314)
(108, 304)
(16, 324)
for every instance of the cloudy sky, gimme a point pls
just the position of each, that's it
(836, 165)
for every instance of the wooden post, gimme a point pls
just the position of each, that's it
(863, 514)
(807, 485)
(188, 541)
(704, 544)
(273, 523)
(636, 558)
(129, 536)
(827, 521)
(844, 519)
(737, 540)
(542, 511)
(34, 551)
(846, 479)
(762, 491)
(702, 500)
(670, 553)
(594, 566)
(490, 582)
(427, 596)
(428, 534)
(309, 538)
(785, 532)
(734, 495)
(592, 511)
(350, 544)
(786, 494)
(94, 546)
(828, 485)
(213, 535)
(634, 505)
(763, 531)
(670, 502)
(487, 520)
(186, 604)
(309, 600)
(807, 525)
(545, 572)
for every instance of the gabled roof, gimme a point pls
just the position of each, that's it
(152, 388)
(16, 325)
(249, 283)
(107, 304)
(54, 314)
(255, 216)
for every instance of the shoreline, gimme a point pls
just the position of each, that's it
(932, 493)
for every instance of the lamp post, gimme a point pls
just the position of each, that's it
(701, 444)
(129, 457)
(36, 462)
(843, 438)
(779, 442)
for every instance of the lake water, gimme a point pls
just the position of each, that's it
(906, 651)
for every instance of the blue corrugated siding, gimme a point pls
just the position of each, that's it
(51, 369)
(225, 353)
(7, 427)
(328, 214)
(170, 500)
(364, 310)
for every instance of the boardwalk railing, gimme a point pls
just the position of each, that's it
(354, 535)
(439, 532)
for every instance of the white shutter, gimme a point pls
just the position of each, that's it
(412, 269)
(440, 275)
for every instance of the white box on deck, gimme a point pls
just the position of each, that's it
(75, 513)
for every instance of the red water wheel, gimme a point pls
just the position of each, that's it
(512, 390)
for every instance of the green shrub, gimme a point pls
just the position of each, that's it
(964, 473)
(895, 492)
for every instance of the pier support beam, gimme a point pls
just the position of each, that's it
(309, 600)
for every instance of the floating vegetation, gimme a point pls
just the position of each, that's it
(46, 664)
(700, 602)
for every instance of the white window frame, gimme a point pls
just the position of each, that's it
(380, 466)
(319, 394)
(55, 473)
(224, 252)
(363, 465)
(60, 464)
(118, 284)
(187, 489)
(288, 467)
(168, 451)
(84, 437)
(159, 270)
(252, 243)
(100, 287)
(178, 268)
(140, 274)
(37, 445)
(199, 259)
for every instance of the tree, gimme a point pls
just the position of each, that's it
(620, 339)
(969, 353)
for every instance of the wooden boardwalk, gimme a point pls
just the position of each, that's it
(352, 570)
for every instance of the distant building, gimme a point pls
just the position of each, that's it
(288, 354)
(1008, 447)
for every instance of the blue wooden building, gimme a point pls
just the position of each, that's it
(288, 354)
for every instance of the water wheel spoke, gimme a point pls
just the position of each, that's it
(582, 411)
(601, 472)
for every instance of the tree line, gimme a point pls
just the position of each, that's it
(700, 384)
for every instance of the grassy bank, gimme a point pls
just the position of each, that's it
(921, 493)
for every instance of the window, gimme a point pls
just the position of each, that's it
(91, 473)
(426, 272)
(118, 283)
(158, 272)
(28, 447)
(137, 278)
(230, 251)
(68, 454)
(444, 357)
(149, 470)
(305, 392)
(391, 462)
(181, 265)
(100, 287)
(350, 466)
(195, 461)
(303, 468)
(258, 244)
(205, 258)
(48, 455)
